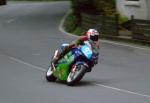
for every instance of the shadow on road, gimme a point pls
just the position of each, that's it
(84, 83)
(79, 84)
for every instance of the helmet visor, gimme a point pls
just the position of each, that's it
(94, 37)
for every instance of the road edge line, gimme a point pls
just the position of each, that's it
(122, 90)
(28, 64)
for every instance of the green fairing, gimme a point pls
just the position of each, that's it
(62, 69)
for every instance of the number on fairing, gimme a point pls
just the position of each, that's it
(87, 51)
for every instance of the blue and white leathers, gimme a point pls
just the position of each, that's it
(86, 50)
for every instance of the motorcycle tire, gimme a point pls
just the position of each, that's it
(77, 75)
(49, 75)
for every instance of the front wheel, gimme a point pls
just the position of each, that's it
(49, 75)
(76, 74)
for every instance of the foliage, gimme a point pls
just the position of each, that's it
(70, 23)
(38, 0)
(123, 19)
(78, 31)
(92, 6)
(95, 7)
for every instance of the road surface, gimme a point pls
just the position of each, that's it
(29, 33)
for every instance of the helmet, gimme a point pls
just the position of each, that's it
(92, 34)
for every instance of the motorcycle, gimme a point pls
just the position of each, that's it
(73, 66)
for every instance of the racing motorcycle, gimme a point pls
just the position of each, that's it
(73, 66)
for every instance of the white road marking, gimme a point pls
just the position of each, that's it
(11, 20)
(35, 54)
(126, 45)
(28, 11)
(28, 64)
(122, 90)
(100, 85)
(104, 41)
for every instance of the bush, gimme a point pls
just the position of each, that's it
(70, 23)
(78, 31)
(123, 19)
(91, 6)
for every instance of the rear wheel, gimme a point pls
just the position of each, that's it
(76, 74)
(49, 75)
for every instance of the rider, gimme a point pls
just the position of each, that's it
(92, 36)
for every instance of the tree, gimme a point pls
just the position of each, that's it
(95, 7)
(85, 6)
(91, 6)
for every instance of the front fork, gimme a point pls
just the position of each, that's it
(54, 58)
(80, 63)
(56, 53)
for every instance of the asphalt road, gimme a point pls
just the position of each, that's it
(29, 34)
